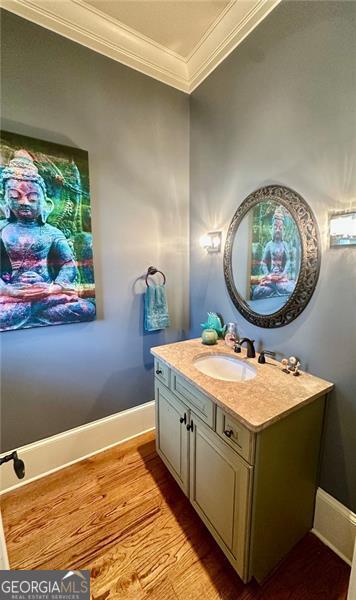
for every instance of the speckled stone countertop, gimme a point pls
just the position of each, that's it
(258, 402)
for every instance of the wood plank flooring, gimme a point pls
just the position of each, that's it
(121, 515)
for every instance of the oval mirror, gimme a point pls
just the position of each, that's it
(272, 256)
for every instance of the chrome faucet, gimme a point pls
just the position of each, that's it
(251, 353)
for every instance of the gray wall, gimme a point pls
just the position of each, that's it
(281, 109)
(136, 131)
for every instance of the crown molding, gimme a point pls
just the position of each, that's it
(229, 30)
(120, 27)
(100, 33)
(82, 23)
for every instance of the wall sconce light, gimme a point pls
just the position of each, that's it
(211, 241)
(342, 229)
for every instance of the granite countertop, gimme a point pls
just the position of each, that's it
(258, 402)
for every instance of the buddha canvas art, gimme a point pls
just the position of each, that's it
(46, 269)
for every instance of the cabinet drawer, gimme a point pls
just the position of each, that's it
(196, 400)
(236, 435)
(162, 372)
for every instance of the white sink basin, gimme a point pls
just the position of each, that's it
(224, 367)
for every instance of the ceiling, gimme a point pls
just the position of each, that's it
(177, 42)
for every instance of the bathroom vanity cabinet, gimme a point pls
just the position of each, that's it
(213, 476)
(253, 488)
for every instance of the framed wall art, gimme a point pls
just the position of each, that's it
(47, 275)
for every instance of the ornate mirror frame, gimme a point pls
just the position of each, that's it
(310, 255)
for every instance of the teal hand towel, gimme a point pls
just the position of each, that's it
(156, 308)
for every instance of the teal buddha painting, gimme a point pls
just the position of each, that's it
(46, 269)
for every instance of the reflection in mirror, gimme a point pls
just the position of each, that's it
(272, 256)
(266, 257)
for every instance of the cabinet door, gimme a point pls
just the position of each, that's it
(172, 435)
(220, 484)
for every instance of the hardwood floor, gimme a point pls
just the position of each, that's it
(121, 515)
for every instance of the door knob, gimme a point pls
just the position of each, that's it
(158, 372)
(183, 419)
(190, 426)
(228, 433)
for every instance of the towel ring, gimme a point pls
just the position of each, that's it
(153, 271)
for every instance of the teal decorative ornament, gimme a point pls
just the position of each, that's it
(209, 337)
(214, 322)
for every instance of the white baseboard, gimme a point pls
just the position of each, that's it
(51, 454)
(335, 525)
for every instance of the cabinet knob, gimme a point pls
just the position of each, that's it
(158, 372)
(183, 419)
(228, 432)
(190, 426)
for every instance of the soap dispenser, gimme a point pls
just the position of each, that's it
(231, 336)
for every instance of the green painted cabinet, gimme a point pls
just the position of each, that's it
(255, 492)
(172, 436)
(214, 477)
(220, 483)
